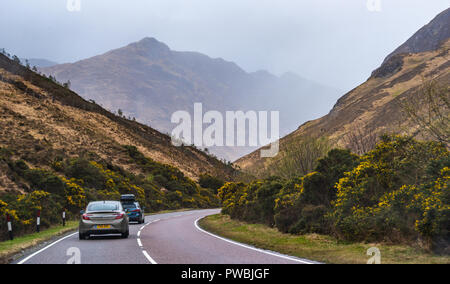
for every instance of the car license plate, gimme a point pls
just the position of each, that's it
(103, 226)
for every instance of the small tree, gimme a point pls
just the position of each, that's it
(67, 84)
(300, 158)
(431, 110)
(16, 59)
(360, 140)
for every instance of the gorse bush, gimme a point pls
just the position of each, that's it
(378, 200)
(75, 182)
(301, 208)
(164, 175)
(208, 181)
(398, 192)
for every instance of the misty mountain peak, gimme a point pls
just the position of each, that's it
(150, 47)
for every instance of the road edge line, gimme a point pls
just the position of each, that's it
(146, 255)
(45, 248)
(251, 247)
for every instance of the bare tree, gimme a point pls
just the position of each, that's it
(431, 110)
(300, 158)
(360, 140)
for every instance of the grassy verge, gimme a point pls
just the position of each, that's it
(314, 247)
(170, 211)
(10, 248)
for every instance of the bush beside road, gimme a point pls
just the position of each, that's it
(314, 246)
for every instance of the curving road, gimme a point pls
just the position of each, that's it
(172, 238)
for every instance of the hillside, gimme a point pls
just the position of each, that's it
(376, 106)
(428, 38)
(40, 122)
(149, 81)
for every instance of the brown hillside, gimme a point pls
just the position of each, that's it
(40, 120)
(374, 107)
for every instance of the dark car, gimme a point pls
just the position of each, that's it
(134, 211)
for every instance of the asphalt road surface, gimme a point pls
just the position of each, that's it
(172, 238)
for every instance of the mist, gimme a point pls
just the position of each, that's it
(334, 42)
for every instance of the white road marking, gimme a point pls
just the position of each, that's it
(147, 256)
(71, 235)
(47, 247)
(152, 261)
(250, 247)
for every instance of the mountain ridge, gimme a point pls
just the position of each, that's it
(428, 38)
(50, 111)
(149, 81)
(374, 107)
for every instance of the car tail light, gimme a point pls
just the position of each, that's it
(119, 216)
(137, 210)
(86, 217)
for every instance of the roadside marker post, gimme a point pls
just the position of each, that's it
(64, 217)
(8, 220)
(38, 221)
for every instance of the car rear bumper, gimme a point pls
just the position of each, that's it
(135, 217)
(116, 227)
(102, 232)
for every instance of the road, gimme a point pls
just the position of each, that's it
(172, 238)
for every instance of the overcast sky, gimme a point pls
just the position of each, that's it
(335, 42)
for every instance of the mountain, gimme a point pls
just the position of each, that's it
(39, 63)
(42, 122)
(149, 81)
(428, 38)
(376, 106)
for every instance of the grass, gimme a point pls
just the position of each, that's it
(11, 248)
(169, 211)
(320, 248)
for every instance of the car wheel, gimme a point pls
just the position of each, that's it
(125, 235)
(81, 236)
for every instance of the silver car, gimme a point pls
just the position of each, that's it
(104, 217)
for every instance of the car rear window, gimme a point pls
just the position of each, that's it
(103, 207)
(129, 206)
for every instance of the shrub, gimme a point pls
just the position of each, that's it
(208, 181)
(304, 202)
(390, 195)
(40, 179)
(86, 171)
(20, 167)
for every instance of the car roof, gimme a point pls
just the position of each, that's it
(106, 201)
(130, 203)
